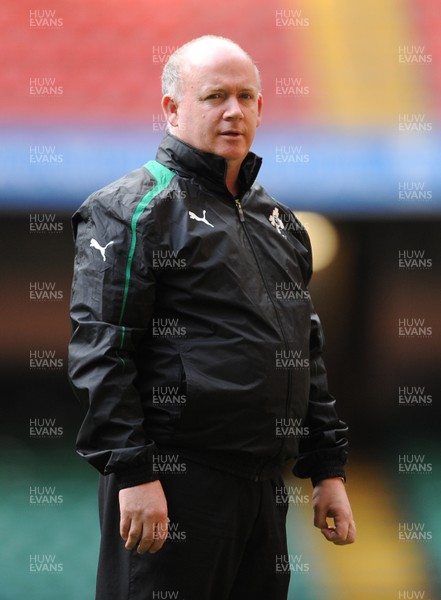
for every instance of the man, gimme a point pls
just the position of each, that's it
(182, 353)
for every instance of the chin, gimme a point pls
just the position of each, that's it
(233, 154)
(233, 148)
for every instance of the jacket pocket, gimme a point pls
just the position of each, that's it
(178, 400)
(228, 401)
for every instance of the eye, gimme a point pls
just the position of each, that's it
(214, 96)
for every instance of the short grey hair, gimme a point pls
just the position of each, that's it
(171, 74)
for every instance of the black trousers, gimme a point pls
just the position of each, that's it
(227, 540)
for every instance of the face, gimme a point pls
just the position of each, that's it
(220, 104)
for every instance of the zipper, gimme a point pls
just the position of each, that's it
(265, 283)
(239, 210)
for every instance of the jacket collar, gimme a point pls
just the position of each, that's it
(208, 169)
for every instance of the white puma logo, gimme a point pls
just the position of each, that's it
(94, 244)
(203, 219)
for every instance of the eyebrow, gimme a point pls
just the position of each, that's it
(209, 88)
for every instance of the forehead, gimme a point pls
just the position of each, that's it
(219, 68)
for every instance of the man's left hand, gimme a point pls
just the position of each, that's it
(329, 500)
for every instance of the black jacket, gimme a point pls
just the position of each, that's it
(193, 327)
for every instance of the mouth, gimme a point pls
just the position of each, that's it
(232, 134)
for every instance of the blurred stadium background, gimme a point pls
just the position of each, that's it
(351, 132)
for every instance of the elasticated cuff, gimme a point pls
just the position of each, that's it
(327, 473)
(135, 476)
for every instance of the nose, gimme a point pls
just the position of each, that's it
(233, 109)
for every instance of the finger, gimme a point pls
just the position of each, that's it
(153, 538)
(352, 532)
(320, 518)
(124, 527)
(341, 528)
(330, 534)
(159, 537)
(133, 535)
(333, 535)
(346, 531)
(147, 539)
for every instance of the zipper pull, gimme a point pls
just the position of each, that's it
(239, 210)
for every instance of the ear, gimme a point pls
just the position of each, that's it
(170, 109)
(259, 109)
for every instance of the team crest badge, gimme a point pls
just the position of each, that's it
(277, 222)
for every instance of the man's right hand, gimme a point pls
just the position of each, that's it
(144, 520)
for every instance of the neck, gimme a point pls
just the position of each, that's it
(232, 179)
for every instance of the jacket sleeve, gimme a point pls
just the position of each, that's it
(323, 452)
(112, 300)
